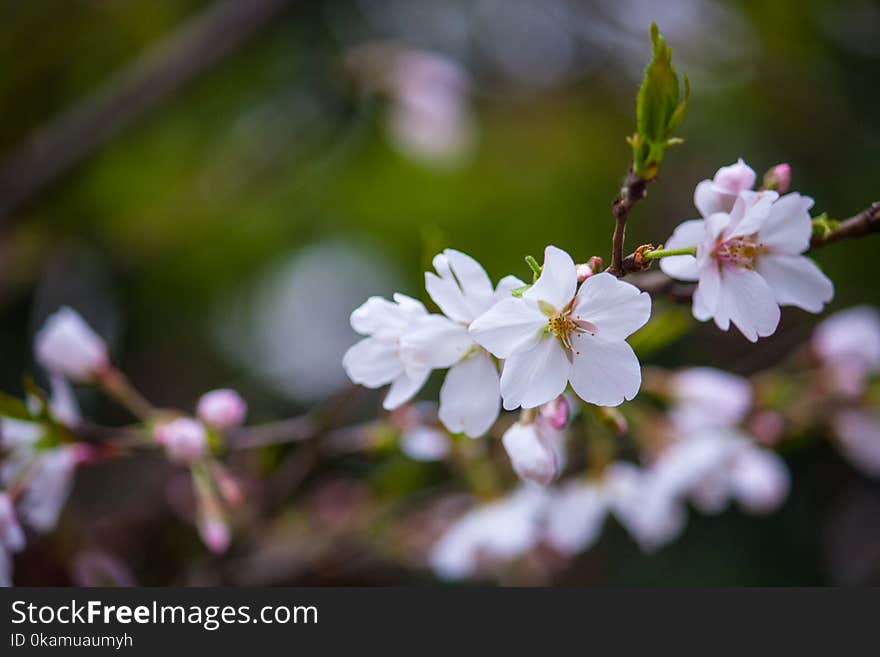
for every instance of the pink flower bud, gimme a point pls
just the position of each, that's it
(778, 178)
(556, 412)
(223, 409)
(230, 489)
(735, 178)
(588, 268)
(215, 534)
(67, 345)
(185, 439)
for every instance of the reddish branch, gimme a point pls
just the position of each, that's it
(865, 222)
(634, 189)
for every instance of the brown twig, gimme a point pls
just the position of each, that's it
(865, 222)
(633, 190)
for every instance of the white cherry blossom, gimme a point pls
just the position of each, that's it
(556, 333)
(749, 262)
(469, 398)
(380, 358)
(706, 397)
(858, 436)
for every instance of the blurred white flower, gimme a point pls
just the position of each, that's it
(222, 409)
(185, 439)
(707, 397)
(576, 513)
(858, 436)
(556, 333)
(469, 398)
(718, 465)
(749, 255)
(67, 345)
(430, 118)
(425, 443)
(11, 533)
(50, 480)
(214, 533)
(499, 531)
(848, 344)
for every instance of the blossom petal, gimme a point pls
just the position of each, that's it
(434, 341)
(506, 286)
(616, 308)
(575, 517)
(788, 227)
(749, 302)
(372, 362)
(708, 294)
(383, 318)
(535, 376)
(688, 233)
(469, 398)
(404, 387)
(508, 326)
(796, 281)
(604, 372)
(462, 289)
(750, 212)
(759, 480)
(709, 200)
(558, 280)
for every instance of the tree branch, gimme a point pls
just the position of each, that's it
(634, 189)
(865, 222)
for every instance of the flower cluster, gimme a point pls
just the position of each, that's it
(541, 336)
(749, 254)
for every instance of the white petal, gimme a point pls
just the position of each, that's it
(604, 372)
(760, 480)
(575, 517)
(372, 362)
(796, 281)
(386, 319)
(463, 289)
(788, 227)
(530, 455)
(709, 200)
(509, 326)
(688, 233)
(750, 212)
(506, 286)
(535, 376)
(749, 303)
(616, 308)
(558, 280)
(734, 178)
(707, 296)
(404, 387)
(434, 341)
(50, 485)
(469, 398)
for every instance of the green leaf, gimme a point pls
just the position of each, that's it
(13, 407)
(660, 108)
(823, 226)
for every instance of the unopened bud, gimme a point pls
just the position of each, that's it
(185, 439)
(778, 178)
(215, 534)
(588, 268)
(531, 456)
(67, 345)
(556, 412)
(735, 178)
(223, 409)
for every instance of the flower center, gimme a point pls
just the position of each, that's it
(740, 251)
(563, 326)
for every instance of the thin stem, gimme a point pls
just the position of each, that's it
(117, 385)
(632, 191)
(665, 253)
